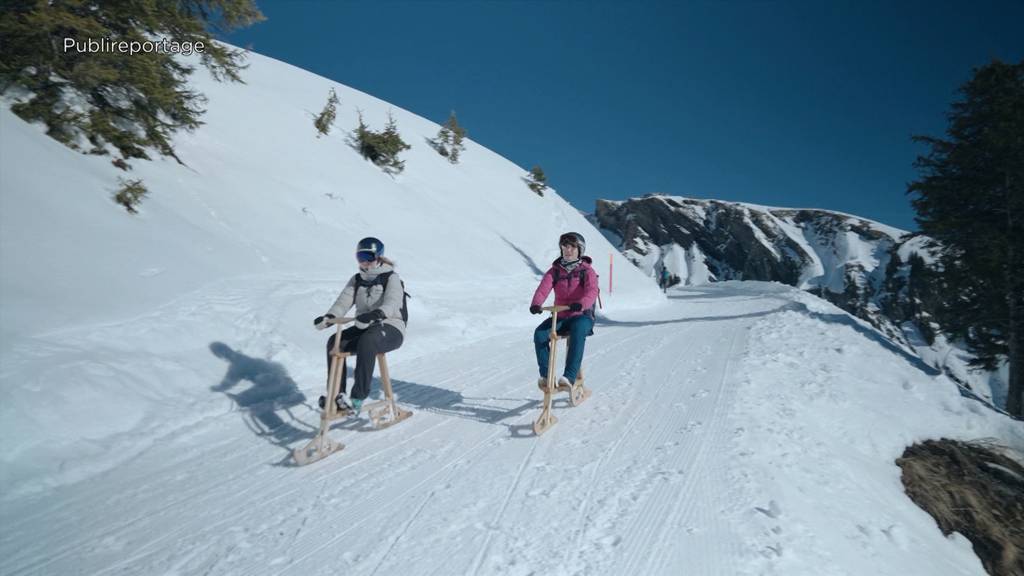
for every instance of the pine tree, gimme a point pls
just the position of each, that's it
(107, 97)
(381, 148)
(456, 135)
(325, 120)
(392, 145)
(130, 194)
(448, 142)
(537, 181)
(442, 141)
(361, 140)
(923, 296)
(970, 199)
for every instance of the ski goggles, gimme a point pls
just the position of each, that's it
(366, 256)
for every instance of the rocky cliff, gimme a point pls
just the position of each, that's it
(874, 271)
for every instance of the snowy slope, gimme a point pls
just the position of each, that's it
(156, 370)
(263, 202)
(260, 193)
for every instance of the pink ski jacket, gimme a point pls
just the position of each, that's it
(580, 285)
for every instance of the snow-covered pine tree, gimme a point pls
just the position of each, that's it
(131, 103)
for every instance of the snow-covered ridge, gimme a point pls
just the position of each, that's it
(739, 241)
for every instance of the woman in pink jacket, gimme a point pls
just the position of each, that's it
(575, 284)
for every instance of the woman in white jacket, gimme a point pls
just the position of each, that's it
(377, 293)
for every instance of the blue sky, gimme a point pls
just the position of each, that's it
(796, 104)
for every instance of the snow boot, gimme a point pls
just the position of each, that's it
(339, 401)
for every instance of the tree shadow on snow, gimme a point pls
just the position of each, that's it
(718, 291)
(526, 257)
(688, 294)
(871, 334)
(844, 319)
(420, 398)
(424, 398)
(271, 394)
(712, 296)
(602, 321)
(876, 336)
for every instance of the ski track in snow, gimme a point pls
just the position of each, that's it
(642, 478)
(621, 490)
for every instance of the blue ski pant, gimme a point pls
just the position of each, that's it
(578, 328)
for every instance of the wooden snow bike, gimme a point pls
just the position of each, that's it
(382, 413)
(578, 393)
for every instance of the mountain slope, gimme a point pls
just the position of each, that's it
(259, 192)
(260, 201)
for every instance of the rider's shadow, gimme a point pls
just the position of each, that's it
(271, 392)
(450, 403)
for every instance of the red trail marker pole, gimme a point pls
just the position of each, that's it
(611, 270)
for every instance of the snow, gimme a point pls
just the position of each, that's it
(827, 444)
(759, 234)
(798, 234)
(83, 282)
(689, 264)
(829, 259)
(157, 369)
(916, 245)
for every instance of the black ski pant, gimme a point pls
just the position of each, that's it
(366, 343)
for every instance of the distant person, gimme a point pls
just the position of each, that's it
(576, 285)
(378, 295)
(665, 279)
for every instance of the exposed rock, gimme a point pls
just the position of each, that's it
(973, 489)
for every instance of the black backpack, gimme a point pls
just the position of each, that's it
(382, 279)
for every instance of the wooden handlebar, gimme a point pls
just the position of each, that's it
(554, 317)
(339, 322)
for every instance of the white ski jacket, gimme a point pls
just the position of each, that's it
(370, 298)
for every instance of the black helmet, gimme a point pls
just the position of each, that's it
(369, 249)
(575, 239)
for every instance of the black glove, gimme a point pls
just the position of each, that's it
(371, 316)
(321, 319)
(575, 307)
(534, 309)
